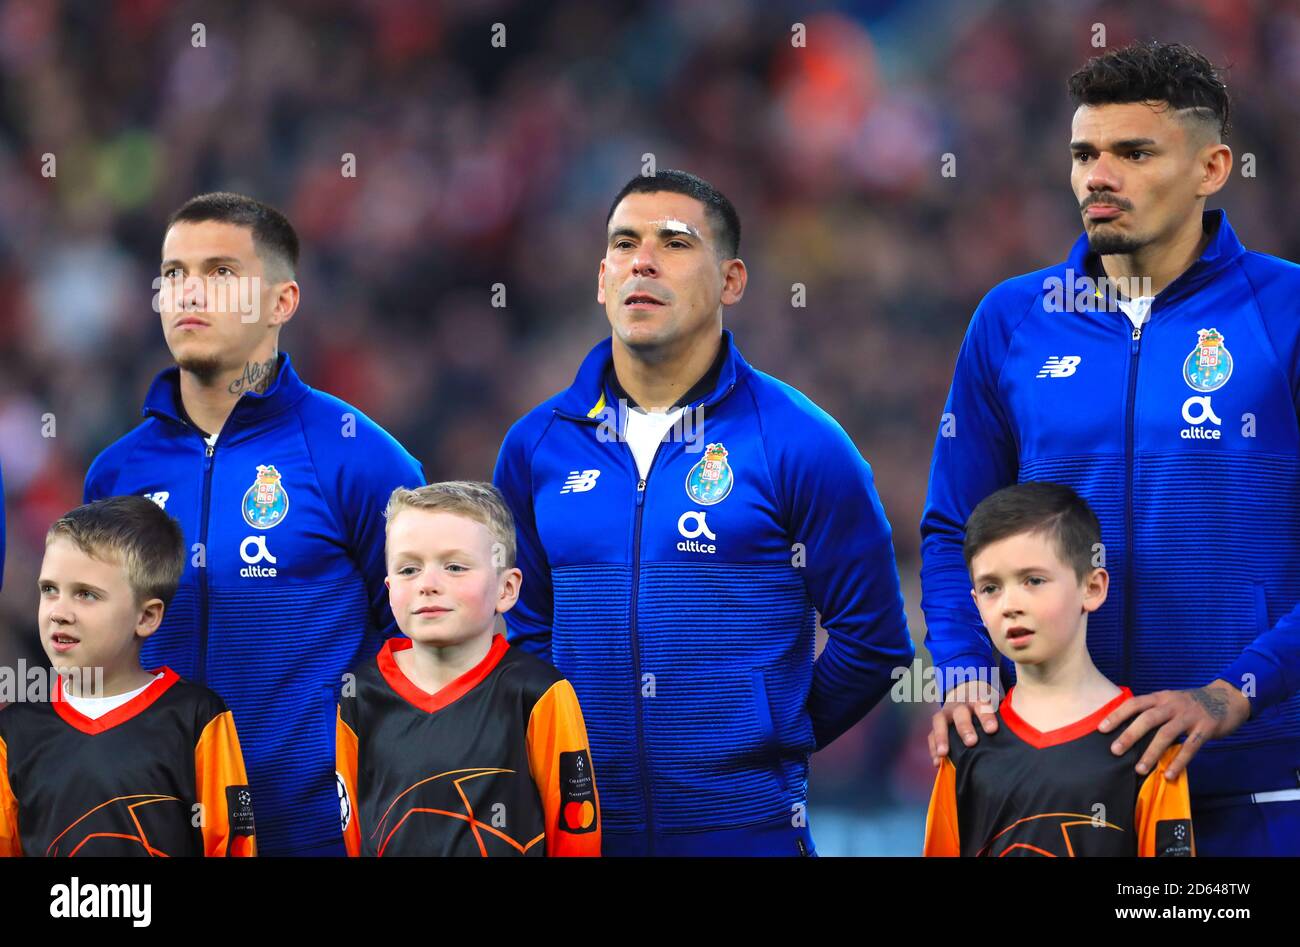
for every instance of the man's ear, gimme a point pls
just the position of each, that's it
(286, 303)
(734, 279)
(1216, 166)
(151, 616)
(600, 283)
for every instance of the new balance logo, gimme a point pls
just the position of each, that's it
(580, 481)
(1062, 367)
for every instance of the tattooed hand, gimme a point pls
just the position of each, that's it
(257, 377)
(1206, 713)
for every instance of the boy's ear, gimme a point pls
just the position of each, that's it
(1095, 586)
(388, 585)
(510, 582)
(151, 616)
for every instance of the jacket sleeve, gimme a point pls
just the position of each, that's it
(225, 800)
(1268, 671)
(345, 750)
(11, 844)
(842, 544)
(1163, 816)
(975, 454)
(942, 838)
(372, 466)
(559, 759)
(528, 624)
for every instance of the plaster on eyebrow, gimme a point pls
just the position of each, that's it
(675, 225)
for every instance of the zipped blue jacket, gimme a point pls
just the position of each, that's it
(682, 607)
(1182, 435)
(284, 588)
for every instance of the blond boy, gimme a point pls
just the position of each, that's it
(449, 741)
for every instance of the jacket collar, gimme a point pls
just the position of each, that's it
(587, 397)
(1222, 250)
(164, 397)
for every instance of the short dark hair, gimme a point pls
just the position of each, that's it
(135, 531)
(721, 213)
(274, 238)
(1034, 507)
(1155, 72)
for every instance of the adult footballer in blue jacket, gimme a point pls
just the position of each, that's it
(280, 490)
(682, 518)
(1157, 372)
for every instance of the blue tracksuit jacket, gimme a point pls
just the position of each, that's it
(284, 588)
(681, 607)
(1183, 437)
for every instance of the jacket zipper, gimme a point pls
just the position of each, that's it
(203, 573)
(636, 587)
(1128, 503)
(636, 660)
(636, 651)
(643, 766)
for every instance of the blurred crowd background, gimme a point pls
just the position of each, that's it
(477, 165)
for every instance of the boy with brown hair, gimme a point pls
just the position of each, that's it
(120, 761)
(1046, 781)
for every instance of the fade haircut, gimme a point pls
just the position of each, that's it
(274, 238)
(722, 215)
(1156, 72)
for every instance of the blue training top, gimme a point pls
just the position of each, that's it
(682, 607)
(284, 588)
(1182, 435)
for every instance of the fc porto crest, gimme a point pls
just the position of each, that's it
(265, 504)
(1209, 366)
(711, 479)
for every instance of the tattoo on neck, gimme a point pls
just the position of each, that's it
(256, 377)
(1214, 702)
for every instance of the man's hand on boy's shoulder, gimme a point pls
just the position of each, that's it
(962, 705)
(1205, 713)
